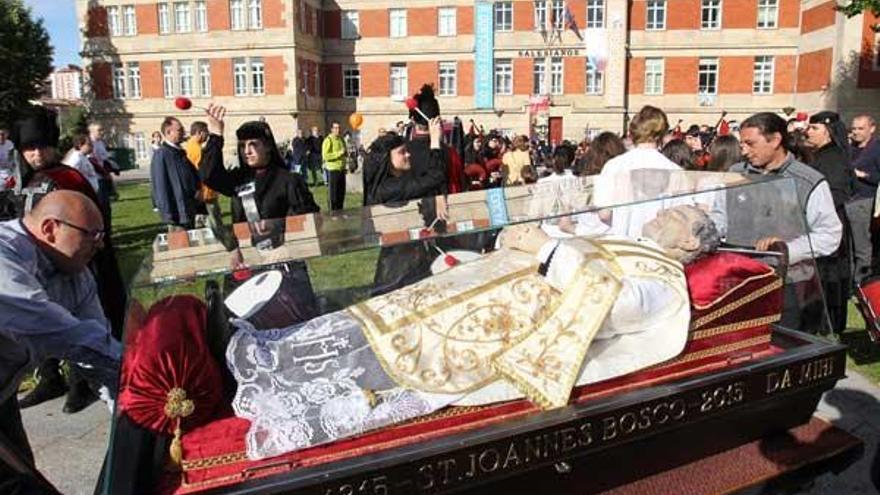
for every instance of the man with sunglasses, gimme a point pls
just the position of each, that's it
(49, 307)
(35, 136)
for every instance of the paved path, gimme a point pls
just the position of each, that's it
(70, 449)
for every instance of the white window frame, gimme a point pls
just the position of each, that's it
(350, 29)
(707, 7)
(397, 23)
(503, 74)
(557, 76)
(540, 12)
(237, 15)
(764, 68)
(204, 77)
(201, 16)
(658, 7)
(539, 76)
(186, 78)
(255, 14)
(114, 20)
(303, 22)
(239, 77)
(447, 75)
(169, 76)
(447, 19)
(129, 20)
(351, 81)
(134, 80)
(655, 69)
(595, 80)
(257, 76)
(182, 17)
(708, 67)
(595, 14)
(502, 17)
(140, 146)
(766, 8)
(164, 18)
(557, 8)
(119, 81)
(399, 81)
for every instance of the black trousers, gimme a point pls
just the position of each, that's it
(336, 192)
(18, 474)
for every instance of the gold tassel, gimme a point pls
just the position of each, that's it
(177, 407)
(176, 449)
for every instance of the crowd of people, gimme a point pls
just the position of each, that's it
(57, 252)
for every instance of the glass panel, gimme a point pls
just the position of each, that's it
(346, 325)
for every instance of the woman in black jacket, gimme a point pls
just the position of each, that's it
(827, 139)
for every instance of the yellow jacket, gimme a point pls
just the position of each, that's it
(193, 151)
(333, 153)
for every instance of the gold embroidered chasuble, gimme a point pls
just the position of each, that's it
(498, 318)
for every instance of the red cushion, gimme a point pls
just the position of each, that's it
(712, 277)
(167, 351)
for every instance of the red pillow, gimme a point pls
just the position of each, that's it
(712, 277)
(168, 352)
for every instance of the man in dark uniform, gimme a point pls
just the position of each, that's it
(314, 158)
(36, 137)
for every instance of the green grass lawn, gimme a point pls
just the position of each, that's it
(135, 225)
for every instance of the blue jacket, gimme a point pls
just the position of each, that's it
(175, 184)
(867, 160)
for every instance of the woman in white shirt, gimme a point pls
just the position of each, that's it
(77, 158)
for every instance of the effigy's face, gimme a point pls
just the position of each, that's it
(673, 229)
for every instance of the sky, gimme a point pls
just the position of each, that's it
(59, 19)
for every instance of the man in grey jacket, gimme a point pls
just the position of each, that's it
(175, 182)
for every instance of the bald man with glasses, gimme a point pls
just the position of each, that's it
(49, 306)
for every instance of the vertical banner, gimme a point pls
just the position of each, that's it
(484, 48)
(596, 42)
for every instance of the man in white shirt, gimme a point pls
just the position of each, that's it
(6, 147)
(77, 158)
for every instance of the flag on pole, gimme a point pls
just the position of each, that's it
(724, 128)
(571, 22)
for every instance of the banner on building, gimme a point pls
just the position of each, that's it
(596, 42)
(484, 41)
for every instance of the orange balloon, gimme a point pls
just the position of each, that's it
(356, 120)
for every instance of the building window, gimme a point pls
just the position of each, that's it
(556, 75)
(558, 14)
(134, 80)
(118, 81)
(168, 79)
(654, 76)
(351, 81)
(398, 23)
(503, 77)
(763, 81)
(710, 14)
(503, 16)
(182, 22)
(656, 15)
(595, 14)
(201, 16)
(447, 74)
(255, 14)
(446, 18)
(350, 24)
(258, 77)
(205, 77)
(399, 81)
(186, 76)
(768, 12)
(164, 19)
(140, 146)
(708, 76)
(303, 21)
(313, 20)
(539, 77)
(595, 80)
(236, 13)
(130, 20)
(239, 77)
(540, 15)
(114, 21)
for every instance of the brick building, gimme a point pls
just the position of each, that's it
(305, 62)
(66, 83)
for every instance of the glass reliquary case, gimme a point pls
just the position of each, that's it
(460, 343)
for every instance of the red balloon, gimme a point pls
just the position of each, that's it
(183, 103)
(411, 103)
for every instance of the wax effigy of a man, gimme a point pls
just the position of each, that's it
(533, 319)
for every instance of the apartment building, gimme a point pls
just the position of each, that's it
(520, 65)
